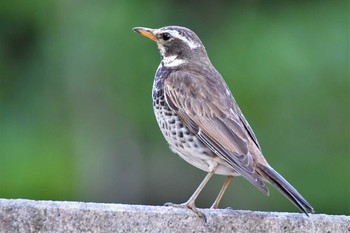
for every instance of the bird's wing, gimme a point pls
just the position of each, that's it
(207, 108)
(246, 124)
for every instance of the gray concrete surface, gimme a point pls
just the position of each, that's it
(19, 215)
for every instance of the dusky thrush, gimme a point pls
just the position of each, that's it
(201, 120)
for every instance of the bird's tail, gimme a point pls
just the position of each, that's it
(285, 188)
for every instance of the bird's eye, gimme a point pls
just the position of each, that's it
(166, 36)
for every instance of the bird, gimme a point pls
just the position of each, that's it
(201, 120)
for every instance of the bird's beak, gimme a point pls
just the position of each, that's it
(147, 32)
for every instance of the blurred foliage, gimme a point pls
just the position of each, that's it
(76, 120)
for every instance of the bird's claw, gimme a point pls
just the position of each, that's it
(190, 206)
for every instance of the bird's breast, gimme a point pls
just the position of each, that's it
(180, 139)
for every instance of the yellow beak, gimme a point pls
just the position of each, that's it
(147, 32)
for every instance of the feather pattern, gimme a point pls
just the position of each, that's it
(211, 116)
(201, 120)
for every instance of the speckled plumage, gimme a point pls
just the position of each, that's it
(179, 137)
(201, 120)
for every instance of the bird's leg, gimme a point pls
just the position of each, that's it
(190, 204)
(221, 193)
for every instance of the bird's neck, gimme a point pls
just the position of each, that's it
(172, 61)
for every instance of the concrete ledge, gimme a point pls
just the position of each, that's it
(55, 216)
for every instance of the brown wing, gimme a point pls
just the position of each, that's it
(209, 111)
(246, 124)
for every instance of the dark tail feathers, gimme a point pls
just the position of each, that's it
(285, 188)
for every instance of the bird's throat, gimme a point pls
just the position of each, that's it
(172, 61)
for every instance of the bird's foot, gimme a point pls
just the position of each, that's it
(188, 205)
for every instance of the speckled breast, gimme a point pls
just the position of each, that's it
(180, 139)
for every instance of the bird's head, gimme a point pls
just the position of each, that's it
(176, 44)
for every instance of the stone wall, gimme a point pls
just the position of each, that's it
(18, 215)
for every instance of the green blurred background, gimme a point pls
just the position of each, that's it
(76, 119)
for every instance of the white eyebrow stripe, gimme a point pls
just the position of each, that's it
(190, 43)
